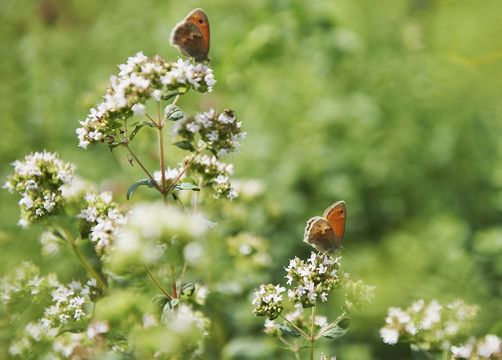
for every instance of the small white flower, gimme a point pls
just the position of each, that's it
(462, 351)
(138, 109)
(489, 345)
(389, 335)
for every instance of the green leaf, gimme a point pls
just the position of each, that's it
(185, 145)
(168, 308)
(160, 300)
(288, 330)
(187, 186)
(335, 332)
(134, 186)
(173, 113)
(188, 289)
(137, 128)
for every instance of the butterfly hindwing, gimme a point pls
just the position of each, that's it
(320, 234)
(191, 36)
(336, 215)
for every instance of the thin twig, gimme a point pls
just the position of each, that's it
(312, 338)
(154, 183)
(173, 281)
(157, 283)
(88, 267)
(182, 276)
(303, 333)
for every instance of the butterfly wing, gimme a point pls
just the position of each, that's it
(320, 234)
(336, 215)
(191, 36)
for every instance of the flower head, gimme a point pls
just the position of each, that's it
(428, 324)
(139, 79)
(221, 132)
(39, 179)
(268, 301)
(313, 279)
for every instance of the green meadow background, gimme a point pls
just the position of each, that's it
(393, 106)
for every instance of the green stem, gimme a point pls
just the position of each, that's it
(303, 333)
(157, 283)
(143, 167)
(162, 161)
(173, 281)
(87, 266)
(312, 337)
(185, 168)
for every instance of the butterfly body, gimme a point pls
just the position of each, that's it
(326, 233)
(192, 35)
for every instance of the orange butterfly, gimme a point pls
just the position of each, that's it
(191, 36)
(326, 233)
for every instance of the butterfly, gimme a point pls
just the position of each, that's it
(191, 36)
(325, 233)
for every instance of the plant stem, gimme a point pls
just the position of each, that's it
(157, 283)
(185, 168)
(303, 333)
(88, 267)
(173, 281)
(312, 337)
(182, 276)
(154, 183)
(162, 161)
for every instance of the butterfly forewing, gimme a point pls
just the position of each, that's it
(320, 234)
(192, 35)
(336, 215)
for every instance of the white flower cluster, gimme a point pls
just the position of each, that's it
(215, 174)
(51, 344)
(69, 304)
(100, 220)
(39, 179)
(487, 347)
(268, 301)
(427, 324)
(183, 72)
(221, 132)
(34, 334)
(24, 282)
(140, 79)
(313, 279)
(149, 231)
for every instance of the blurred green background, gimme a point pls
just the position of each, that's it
(393, 106)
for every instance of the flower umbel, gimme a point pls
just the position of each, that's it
(39, 179)
(313, 279)
(427, 324)
(221, 132)
(139, 80)
(268, 301)
(100, 220)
